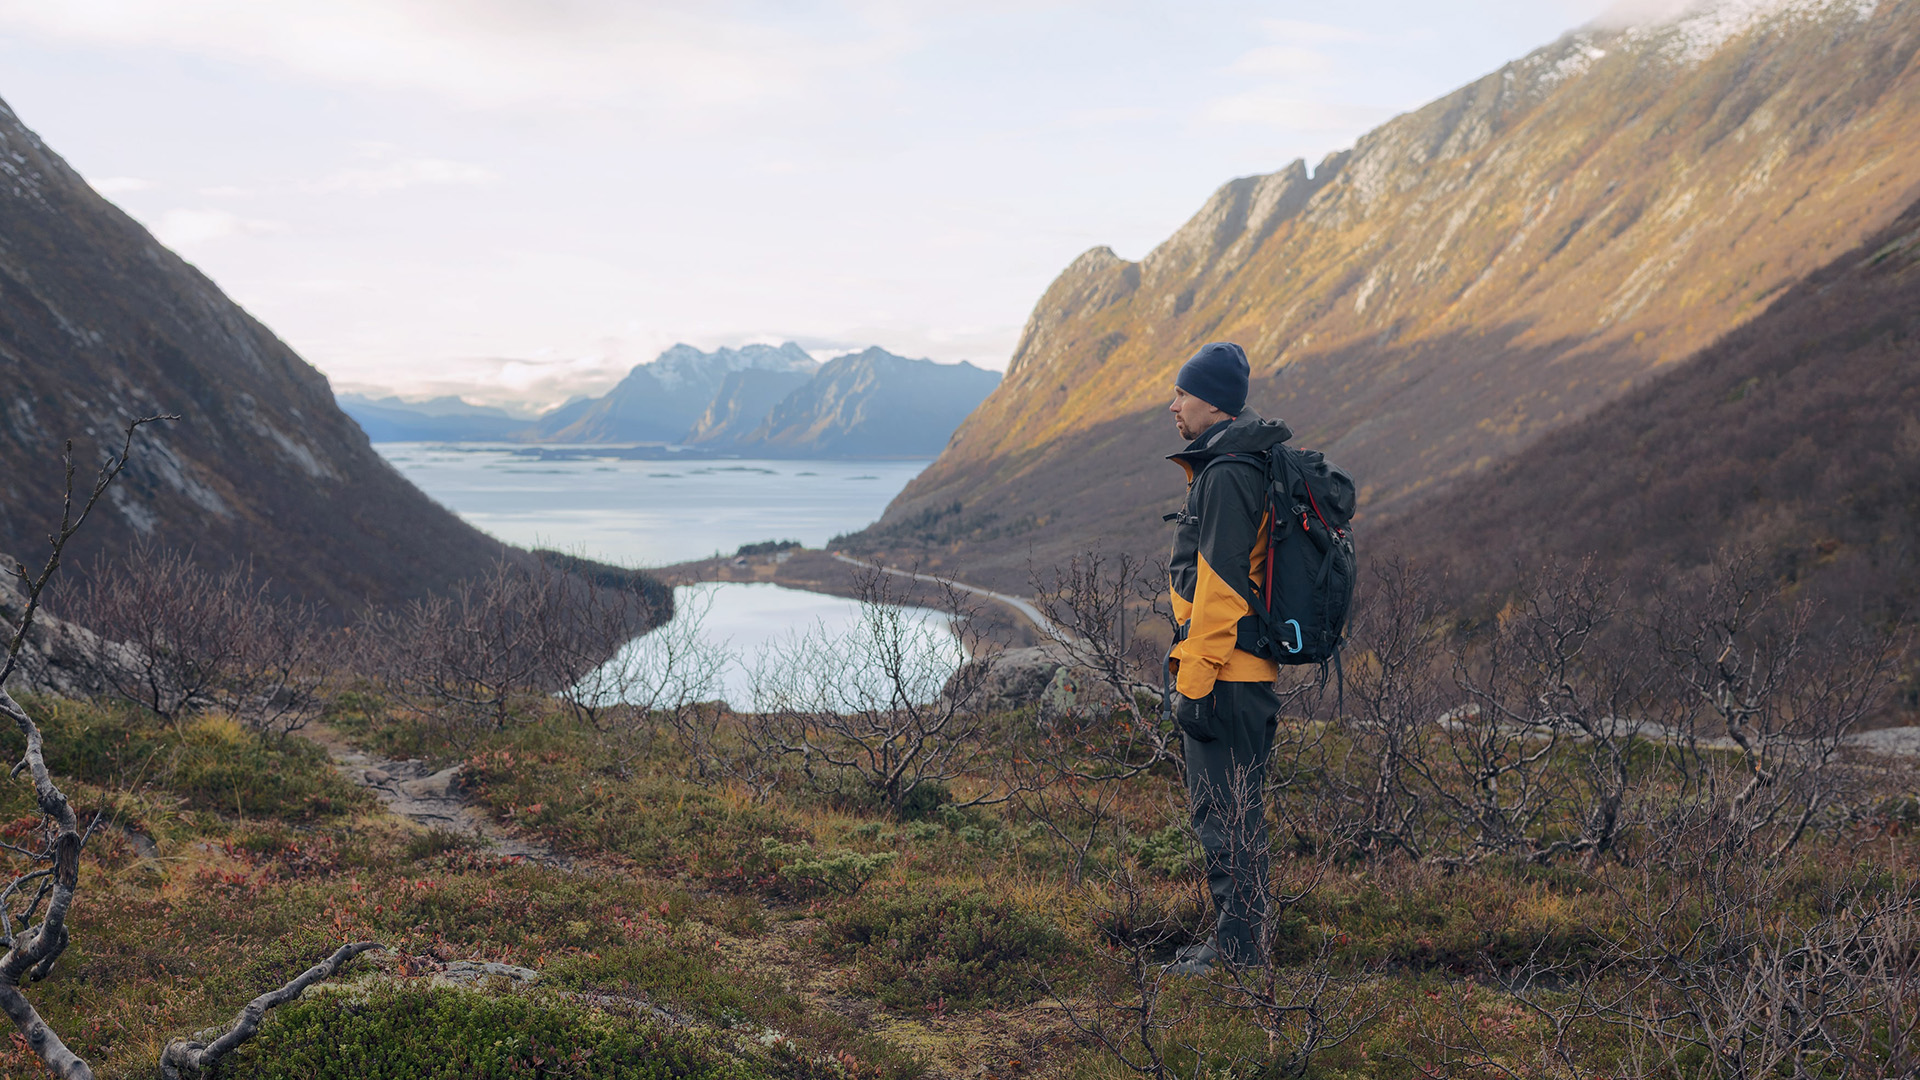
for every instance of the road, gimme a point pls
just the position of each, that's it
(1024, 607)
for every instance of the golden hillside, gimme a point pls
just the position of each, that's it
(1467, 277)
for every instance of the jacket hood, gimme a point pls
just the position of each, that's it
(1244, 434)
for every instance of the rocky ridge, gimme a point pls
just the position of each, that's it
(1468, 277)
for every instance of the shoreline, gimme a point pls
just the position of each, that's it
(994, 622)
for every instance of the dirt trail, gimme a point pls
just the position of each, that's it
(960, 1045)
(413, 790)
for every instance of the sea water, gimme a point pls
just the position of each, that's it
(594, 503)
(640, 513)
(760, 646)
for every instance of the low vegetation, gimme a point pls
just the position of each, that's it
(1580, 839)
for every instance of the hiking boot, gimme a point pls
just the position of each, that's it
(1196, 959)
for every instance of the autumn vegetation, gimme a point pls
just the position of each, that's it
(1583, 836)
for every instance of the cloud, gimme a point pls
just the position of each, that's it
(182, 227)
(117, 185)
(1263, 108)
(1297, 32)
(415, 172)
(1293, 82)
(668, 55)
(1289, 60)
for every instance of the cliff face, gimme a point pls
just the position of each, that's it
(872, 404)
(1468, 277)
(99, 324)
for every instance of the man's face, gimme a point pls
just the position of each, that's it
(1191, 415)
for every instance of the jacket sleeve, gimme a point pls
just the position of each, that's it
(1231, 507)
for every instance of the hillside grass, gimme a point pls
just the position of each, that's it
(702, 932)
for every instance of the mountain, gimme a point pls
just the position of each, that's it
(1797, 436)
(662, 401)
(742, 404)
(1467, 278)
(872, 404)
(99, 324)
(389, 419)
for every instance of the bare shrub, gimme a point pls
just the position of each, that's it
(33, 948)
(484, 656)
(1100, 605)
(1068, 774)
(671, 680)
(881, 705)
(1760, 705)
(1394, 670)
(595, 615)
(1130, 1011)
(1542, 759)
(203, 640)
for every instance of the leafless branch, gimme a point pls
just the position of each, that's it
(186, 1058)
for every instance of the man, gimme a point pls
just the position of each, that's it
(1224, 699)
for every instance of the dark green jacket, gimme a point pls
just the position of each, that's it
(1220, 553)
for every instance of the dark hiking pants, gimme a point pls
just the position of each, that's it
(1226, 777)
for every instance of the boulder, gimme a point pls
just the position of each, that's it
(58, 657)
(1039, 677)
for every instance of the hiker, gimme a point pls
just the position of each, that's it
(1223, 696)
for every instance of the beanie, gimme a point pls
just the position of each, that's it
(1217, 375)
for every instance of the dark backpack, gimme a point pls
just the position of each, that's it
(1300, 614)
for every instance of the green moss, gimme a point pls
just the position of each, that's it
(417, 1033)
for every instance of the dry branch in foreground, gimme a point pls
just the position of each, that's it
(34, 948)
(192, 1057)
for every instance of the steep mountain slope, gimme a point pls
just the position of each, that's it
(661, 401)
(873, 404)
(99, 323)
(741, 405)
(1797, 436)
(390, 419)
(1468, 277)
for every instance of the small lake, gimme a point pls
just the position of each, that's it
(592, 502)
(749, 643)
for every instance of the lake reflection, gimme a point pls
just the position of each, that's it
(756, 645)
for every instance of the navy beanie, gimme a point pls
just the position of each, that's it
(1217, 375)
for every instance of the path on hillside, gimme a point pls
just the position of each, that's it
(958, 1046)
(1025, 607)
(414, 790)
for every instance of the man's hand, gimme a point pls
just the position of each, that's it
(1195, 716)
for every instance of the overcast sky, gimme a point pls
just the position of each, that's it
(518, 200)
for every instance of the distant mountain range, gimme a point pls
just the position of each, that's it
(1470, 277)
(99, 324)
(389, 419)
(767, 400)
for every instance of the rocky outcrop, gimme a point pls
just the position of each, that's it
(58, 657)
(100, 324)
(1468, 277)
(1037, 678)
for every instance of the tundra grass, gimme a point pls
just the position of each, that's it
(714, 933)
